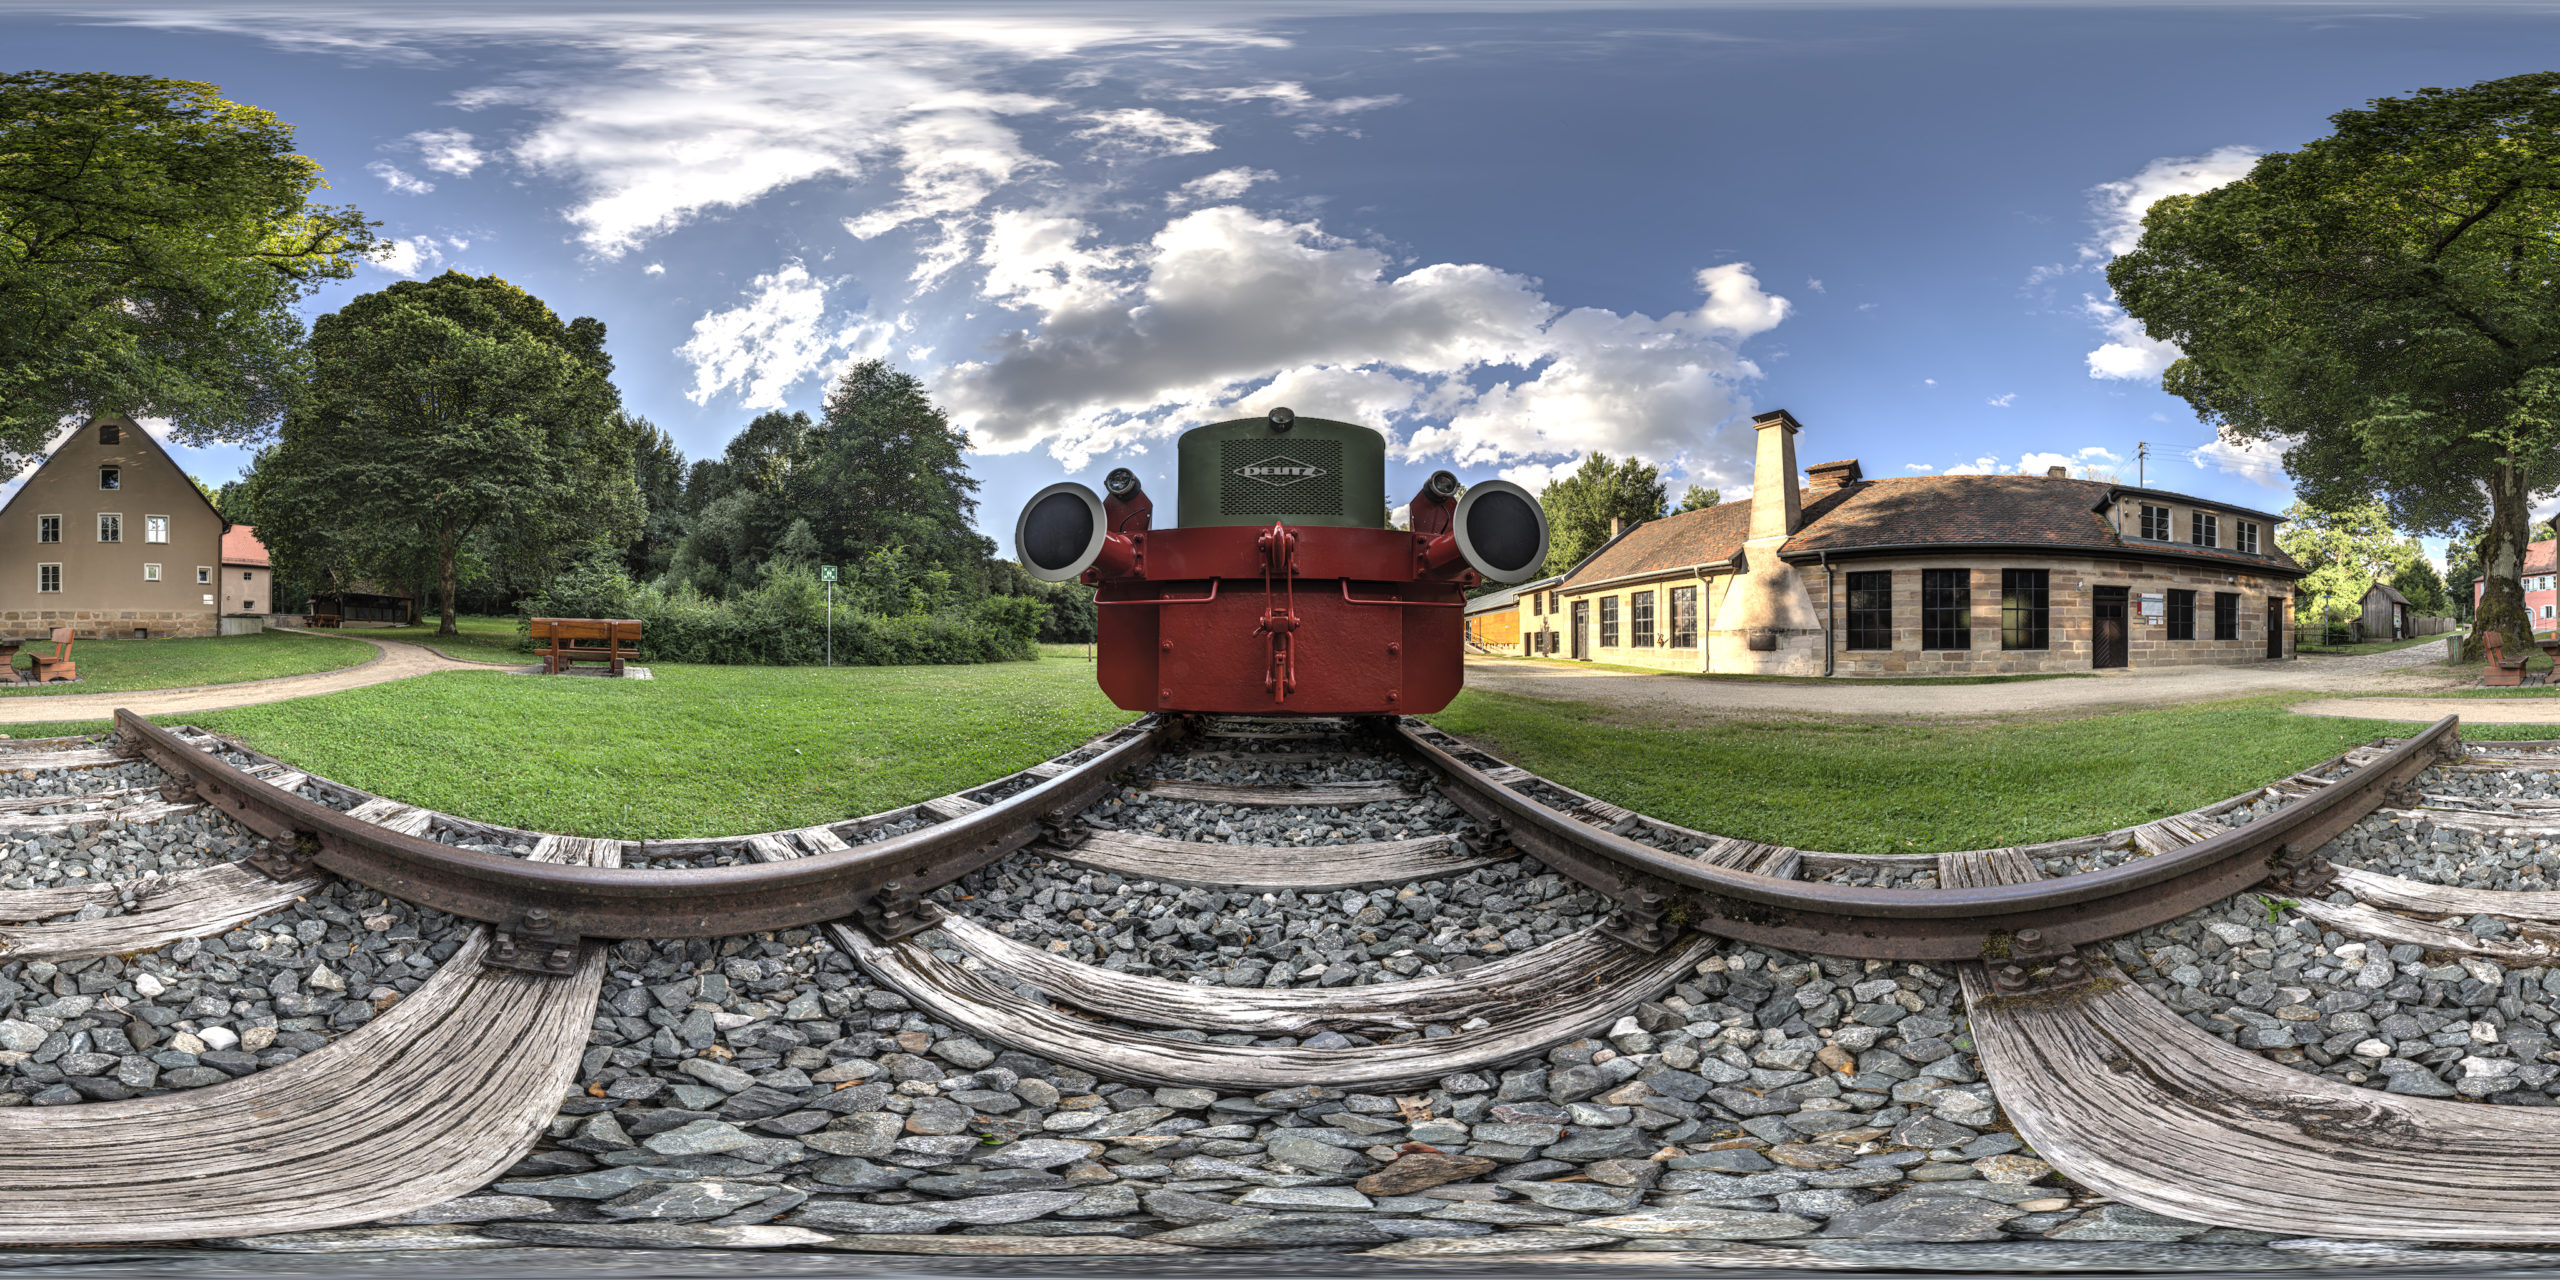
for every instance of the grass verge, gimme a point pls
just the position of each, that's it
(2369, 646)
(125, 666)
(700, 750)
(1857, 787)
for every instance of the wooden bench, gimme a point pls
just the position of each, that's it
(319, 620)
(57, 665)
(562, 641)
(2502, 670)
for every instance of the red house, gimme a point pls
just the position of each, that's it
(2541, 572)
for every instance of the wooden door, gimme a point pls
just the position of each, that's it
(1582, 631)
(2107, 646)
(2275, 626)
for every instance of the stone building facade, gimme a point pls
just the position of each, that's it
(1931, 575)
(111, 539)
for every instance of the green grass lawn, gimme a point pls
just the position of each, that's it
(123, 666)
(696, 751)
(1829, 680)
(2369, 646)
(483, 638)
(1903, 788)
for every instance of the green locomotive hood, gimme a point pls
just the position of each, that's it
(1318, 472)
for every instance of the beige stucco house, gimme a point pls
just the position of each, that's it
(248, 579)
(109, 538)
(1926, 575)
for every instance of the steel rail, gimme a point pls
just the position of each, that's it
(544, 908)
(1658, 892)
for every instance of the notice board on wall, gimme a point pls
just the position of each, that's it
(2155, 604)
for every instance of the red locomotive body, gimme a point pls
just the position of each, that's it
(1283, 592)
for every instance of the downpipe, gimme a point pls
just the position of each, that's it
(1828, 606)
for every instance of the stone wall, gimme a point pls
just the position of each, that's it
(1661, 653)
(97, 624)
(2074, 581)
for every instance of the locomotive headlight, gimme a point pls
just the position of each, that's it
(1443, 485)
(1501, 530)
(1282, 419)
(1121, 482)
(1060, 531)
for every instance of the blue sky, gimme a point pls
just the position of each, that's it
(1507, 234)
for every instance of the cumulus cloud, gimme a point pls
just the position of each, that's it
(952, 155)
(1225, 311)
(654, 269)
(448, 151)
(1144, 133)
(2118, 208)
(2257, 462)
(2002, 401)
(411, 256)
(398, 179)
(1290, 98)
(1211, 188)
(2089, 461)
(780, 335)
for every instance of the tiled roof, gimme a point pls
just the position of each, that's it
(1915, 511)
(2542, 557)
(240, 546)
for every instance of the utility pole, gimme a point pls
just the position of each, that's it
(2142, 464)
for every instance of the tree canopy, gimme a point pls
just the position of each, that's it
(154, 240)
(1580, 506)
(1698, 498)
(2347, 549)
(2379, 304)
(442, 410)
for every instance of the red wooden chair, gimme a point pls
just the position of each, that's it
(2502, 670)
(56, 665)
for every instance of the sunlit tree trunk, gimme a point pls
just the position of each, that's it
(2502, 546)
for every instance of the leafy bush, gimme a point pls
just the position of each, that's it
(784, 623)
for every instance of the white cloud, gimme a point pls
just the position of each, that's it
(1921, 467)
(952, 155)
(781, 335)
(448, 151)
(1928, 382)
(654, 269)
(410, 256)
(1211, 188)
(1144, 133)
(2257, 462)
(399, 180)
(2033, 463)
(2002, 401)
(1224, 310)
(1815, 285)
(2118, 207)
(1536, 476)
(1290, 98)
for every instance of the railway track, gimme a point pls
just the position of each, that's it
(1215, 985)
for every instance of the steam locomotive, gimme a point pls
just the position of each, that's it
(1282, 589)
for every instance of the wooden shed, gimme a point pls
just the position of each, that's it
(2386, 613)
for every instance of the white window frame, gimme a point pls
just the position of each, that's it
(56, 588)
(204, 575)
(2204, 529)
(2247, 533)
(155, 529)
(2168, 523)
(116, 484)
(103, 518)
(57, 529)
(150, 573)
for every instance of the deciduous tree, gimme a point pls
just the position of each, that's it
(154, 240)
(1580, 506)
(1698, 498)
(2380, 305)
(2347, 549)
(442, 408)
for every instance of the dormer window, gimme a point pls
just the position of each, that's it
(110, 477)
(2155, 523)
(2245, 536)
(2203, 530)
(111, 433)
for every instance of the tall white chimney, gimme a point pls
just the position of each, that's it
(1776, 508)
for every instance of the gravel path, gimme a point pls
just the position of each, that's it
(399, 661)
(1657, 694)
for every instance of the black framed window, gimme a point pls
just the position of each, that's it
(2182, 614)
(2025, 616)
(2155, 522)
(2226, 615)
(1871, 610)
(1608, 622)
(110, 433)
(2202, 529)
(1946, 608)
(1537, 604)
(2244, 536)
(1684, 617)
(1640, 619)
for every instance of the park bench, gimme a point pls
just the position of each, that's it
(319, 620)
(57, 665)
(562, 641)
(2502, 670)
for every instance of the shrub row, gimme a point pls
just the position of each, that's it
(784, 623)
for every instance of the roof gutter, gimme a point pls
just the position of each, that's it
(1654, 575)
(1820, 555)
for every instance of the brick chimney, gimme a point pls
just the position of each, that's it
(2057, 473)
(1614, 524)
(1776, 508)
(1825, 477)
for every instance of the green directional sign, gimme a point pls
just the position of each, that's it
(826, 573)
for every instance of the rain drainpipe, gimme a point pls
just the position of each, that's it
(1827, 607)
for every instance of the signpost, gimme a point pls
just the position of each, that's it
(827, 575)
